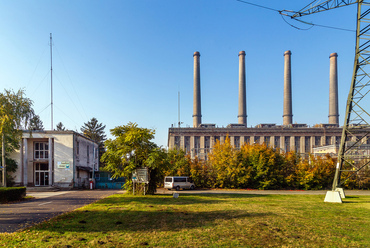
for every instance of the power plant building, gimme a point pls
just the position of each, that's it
(199, 139)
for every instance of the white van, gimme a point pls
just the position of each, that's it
(178, 183)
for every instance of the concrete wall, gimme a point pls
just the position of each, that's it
(63, 156)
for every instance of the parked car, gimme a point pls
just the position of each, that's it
(178, 183)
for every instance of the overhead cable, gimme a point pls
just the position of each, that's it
(283, 13)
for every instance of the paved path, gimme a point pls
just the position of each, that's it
(46, 205)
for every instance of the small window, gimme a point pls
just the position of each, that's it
(180, 180)
(168, 179)
(44, 167)
(87, 154)
(41, 150)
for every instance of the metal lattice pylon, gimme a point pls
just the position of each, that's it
(354, 151)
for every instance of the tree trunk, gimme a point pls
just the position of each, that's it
(3, 159)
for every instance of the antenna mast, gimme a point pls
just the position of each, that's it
(179, 108)
(51, 78)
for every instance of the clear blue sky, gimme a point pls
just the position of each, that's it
(125, 61)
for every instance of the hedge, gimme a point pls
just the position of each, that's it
(12, 194)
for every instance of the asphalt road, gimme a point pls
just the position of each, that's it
(45, 205)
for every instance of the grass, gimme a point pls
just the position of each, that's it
(213, 220)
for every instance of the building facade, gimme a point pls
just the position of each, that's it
(64, 159)
(295, 137)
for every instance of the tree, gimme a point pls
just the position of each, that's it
(15, 112)
(133, 148)
(95, 131)
(224, 160)
(60, 127)
(179, 163)
(36, 123)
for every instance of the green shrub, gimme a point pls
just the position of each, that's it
(12, 194)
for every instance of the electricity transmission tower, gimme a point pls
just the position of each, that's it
(354, 152)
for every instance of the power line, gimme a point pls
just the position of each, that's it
(257, 5)
(281, 12)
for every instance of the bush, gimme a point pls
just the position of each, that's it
(12, 194)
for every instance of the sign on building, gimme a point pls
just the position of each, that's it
(63, 165)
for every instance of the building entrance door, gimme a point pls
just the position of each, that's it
(41, 174)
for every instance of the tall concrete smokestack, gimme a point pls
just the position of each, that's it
(197, 114)
(288, 113)
(333, 90)
(242, 113)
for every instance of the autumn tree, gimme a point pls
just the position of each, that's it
(224, 160)
(316, 173)
(15, 112)
(202, 173)
(179, 163)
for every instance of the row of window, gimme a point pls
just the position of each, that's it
(266, 139)
(41, 150)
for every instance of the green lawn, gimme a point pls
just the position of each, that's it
(211, 220)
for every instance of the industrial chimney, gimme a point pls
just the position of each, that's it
(242, 113)
(288, 113)
(197, 114)
(333, 90)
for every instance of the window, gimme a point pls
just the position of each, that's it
(41, 150)
(87, 153)
(317, 140)
(217, 138)
(307, 144)
(180, 180)
(247, 140)
(277, 141)
(207, 143)
(177, 141)
(236, 141)
(287, 143)
(256, 139)
(297, 143)
(267, 140)
(187, 144)
(328, 140)
(78, 147)
(196, 144)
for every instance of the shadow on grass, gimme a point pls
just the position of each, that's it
(185, 199)
(150, 213)
(156, 220)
